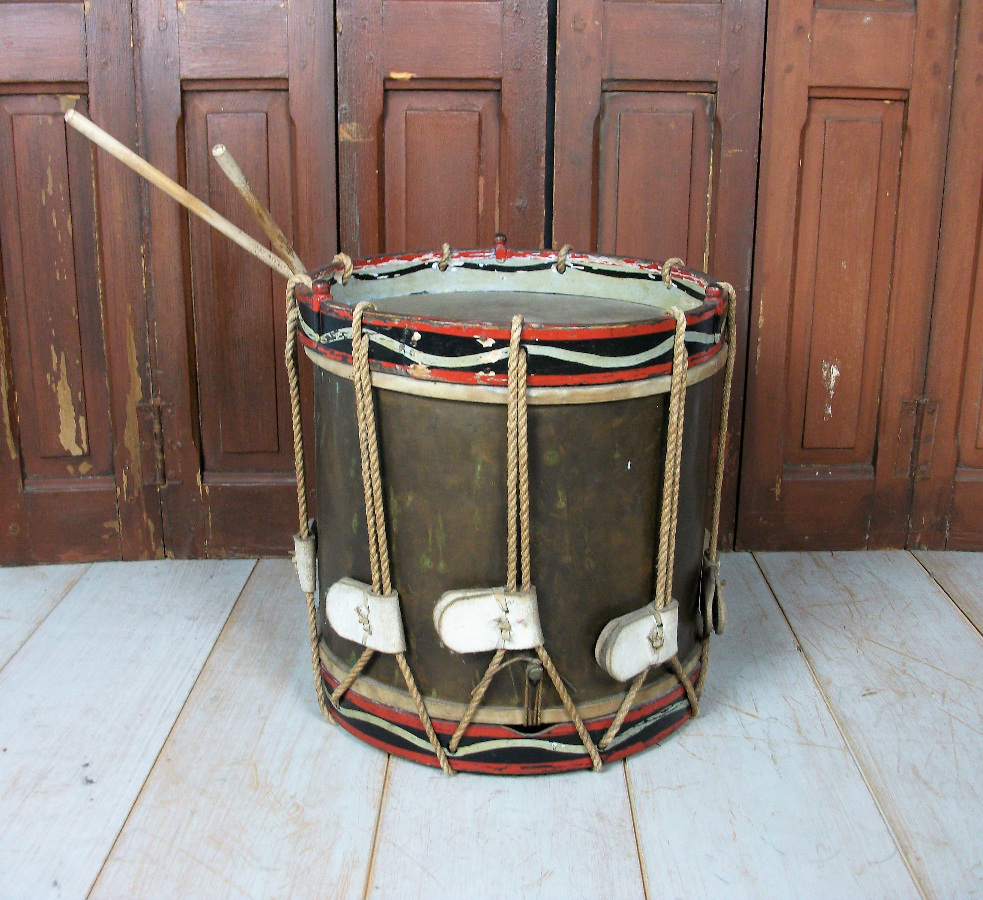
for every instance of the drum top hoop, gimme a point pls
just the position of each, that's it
(466, 350)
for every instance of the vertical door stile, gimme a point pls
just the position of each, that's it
(947, 510)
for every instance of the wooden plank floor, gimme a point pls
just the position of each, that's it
(154, 745)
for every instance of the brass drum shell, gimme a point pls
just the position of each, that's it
(596, 472)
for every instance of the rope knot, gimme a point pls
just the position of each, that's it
(363, 618)
(657, 636)
(505, 627)
(294, 280)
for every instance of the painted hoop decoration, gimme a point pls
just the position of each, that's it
(474, 352)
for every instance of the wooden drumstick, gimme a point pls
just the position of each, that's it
(170, 187)
(238, 178)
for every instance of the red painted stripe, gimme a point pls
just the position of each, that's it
(680, 273)
(453, 376)
(427, 759)
(483, 730)
(545, 332)
(558, 765)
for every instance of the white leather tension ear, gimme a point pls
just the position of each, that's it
(631, 643)
(305, 559)
(480, 619)
(373, 620)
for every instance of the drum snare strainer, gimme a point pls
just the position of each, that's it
(514, 574)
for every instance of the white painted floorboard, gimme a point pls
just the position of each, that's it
(903, 671)
(472, 837)
(759, 796)
(254, 795)
(961, 577)
(27, 595)
(86, 705)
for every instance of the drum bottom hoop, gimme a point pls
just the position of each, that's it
(495, 748)
(488, 714)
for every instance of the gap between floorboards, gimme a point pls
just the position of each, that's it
(170, 731)
(843, 733)
(634, 828)
(68, 589)
(942, 588)
(375, 833)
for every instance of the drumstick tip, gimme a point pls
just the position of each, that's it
(219, 150)
(69, 115)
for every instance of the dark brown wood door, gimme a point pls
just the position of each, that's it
(856, 114)
(441, 123)
(258, 76)
(78, 467)
(657, 116)
(948, 466)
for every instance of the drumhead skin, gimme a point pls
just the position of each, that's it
(597, 421)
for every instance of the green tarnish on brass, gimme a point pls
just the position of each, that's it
(594, 522)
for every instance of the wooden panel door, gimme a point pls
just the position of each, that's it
(258, 76)
(78, 466)
(948, 506)
(853, 151)
(441, 123)
(657, 115)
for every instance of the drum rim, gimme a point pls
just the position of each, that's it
(571, 395)
(324, 319)
(509, 716)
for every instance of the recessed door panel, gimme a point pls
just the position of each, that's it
(847, 212)
(239, 310)
(442, 168)
(655, 157)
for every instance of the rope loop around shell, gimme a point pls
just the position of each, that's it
(518, 553)
(671, 471)
(293, 379)
(562, 257)
(445, 257)
(717, 616)
(667, 269)
(375, 520)
(347, 266)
